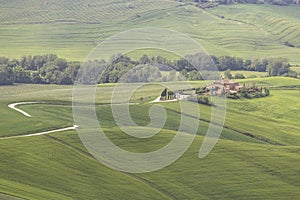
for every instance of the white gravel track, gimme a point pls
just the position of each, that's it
(13, 106)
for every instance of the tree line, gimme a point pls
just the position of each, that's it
(40, 69)
(50, 69)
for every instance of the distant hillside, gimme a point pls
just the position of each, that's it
(69, 11)
(225, 2)
(71, 29)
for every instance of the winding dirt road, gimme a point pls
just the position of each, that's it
(13, 106)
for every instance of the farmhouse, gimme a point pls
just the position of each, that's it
(224, 86)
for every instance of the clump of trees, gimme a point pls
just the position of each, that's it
(50, 69)
(167, 94)
(201, 100)
(6, 75)
(254, 92)
(45, 69)
(275, 66)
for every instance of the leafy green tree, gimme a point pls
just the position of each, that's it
(64, 79)
(35, 78)
(267, 91)
(227, 62)
(6, 75)
(114, 76)
(38, 62)
(247, 64)
(259, 65)
(93, 71)
(144, 59)
(49, 58)
(13, 63)
(194, 75)
(72, 70)
(61, 63)
(4, 61)
(239, 76)
(278, 66)
(21, 75)
(50, 73)
(184, 74)
(228, 74)
(164, 92)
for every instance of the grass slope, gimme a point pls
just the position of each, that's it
(57, 166)
(279, 26)
(73, 28)
(248, 74)
(45, 168)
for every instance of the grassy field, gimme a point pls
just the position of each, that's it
(72, 29)
(256, 157)
(57, 166)
(249, 74)
(278, 25)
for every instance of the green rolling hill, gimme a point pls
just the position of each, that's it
(256, 157)
(73, 28)
(57, 166)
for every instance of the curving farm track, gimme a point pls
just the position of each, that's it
(13, 106)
